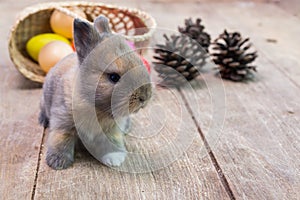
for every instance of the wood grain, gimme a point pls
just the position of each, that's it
(291, 6)
(20, 135)
(276, 39)
(20, 142)
(258, 148)
(251, 130)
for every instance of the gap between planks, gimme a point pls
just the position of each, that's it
(209, 151)
(38, 165)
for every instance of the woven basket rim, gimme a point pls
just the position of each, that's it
(52, 5)
(147, 19)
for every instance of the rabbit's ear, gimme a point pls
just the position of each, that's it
(101, 24)
(86, 38)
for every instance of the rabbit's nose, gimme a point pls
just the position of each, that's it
(144, 93)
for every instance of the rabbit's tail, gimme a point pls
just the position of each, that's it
(43, 119)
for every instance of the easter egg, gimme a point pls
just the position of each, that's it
(73, 45)
(63, 24)
(146, 63)
(52, 53)
(36, 43)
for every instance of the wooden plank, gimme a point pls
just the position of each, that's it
(282, 51)
(258, 149)
(278, 45)
(191, 176)
(291, 6)
(20, 134)
(20, 143)
(168, 23)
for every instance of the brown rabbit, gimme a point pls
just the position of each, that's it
(104, 76)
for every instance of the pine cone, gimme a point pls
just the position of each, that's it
(179, 60)
(196, 32)
(232, 58)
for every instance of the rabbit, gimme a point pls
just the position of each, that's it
(105, 76)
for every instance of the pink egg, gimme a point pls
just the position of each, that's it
(52, 53)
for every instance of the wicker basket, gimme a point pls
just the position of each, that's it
(136, 26)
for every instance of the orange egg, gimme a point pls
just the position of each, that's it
(52, 53)
(63, 24)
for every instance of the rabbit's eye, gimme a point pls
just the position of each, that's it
(114, 77)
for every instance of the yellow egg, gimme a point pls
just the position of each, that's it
(63, 24)
(36, 43)
(52, 53)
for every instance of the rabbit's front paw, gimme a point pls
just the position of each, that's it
(114, 159)
(59, 160)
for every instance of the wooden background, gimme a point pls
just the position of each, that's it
(246, 144)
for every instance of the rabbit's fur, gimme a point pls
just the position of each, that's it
(83, 82)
